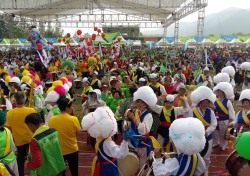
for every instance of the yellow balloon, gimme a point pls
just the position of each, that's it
(26, 79)
(7, 79)
(25, 72)
(50, 89)
(57, 83)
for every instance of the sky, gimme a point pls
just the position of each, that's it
(214, 6)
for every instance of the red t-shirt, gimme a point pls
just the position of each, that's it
(169, 89)
(35, 151)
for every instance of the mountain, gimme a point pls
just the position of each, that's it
(226, 22)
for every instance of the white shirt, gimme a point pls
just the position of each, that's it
(171, 166)
(115, 151)
(145, 126)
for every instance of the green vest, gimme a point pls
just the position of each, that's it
(6, 154)
(52, 158)
(55, 110)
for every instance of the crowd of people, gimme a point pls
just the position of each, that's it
(144, 101)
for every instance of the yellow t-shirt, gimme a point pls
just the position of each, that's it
(67, 127)
(53, 68)
(3, 71)
(16, 120)
(16, 70)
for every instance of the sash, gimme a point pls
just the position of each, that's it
(204, 77)
(222, 107)
(175, 85)
(86, 89)
(200, 117)
(157, 85)
(167, 113)
(195, 160)
(93, 82)
(137, 116)
(7, 149)
(177, 100)
(244, 116)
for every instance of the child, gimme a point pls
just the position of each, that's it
(188, 137)
(101, 124)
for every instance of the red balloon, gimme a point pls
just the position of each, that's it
(89, 50)
(49, 74)
(80, 50)
(79, 32)
(59, 40)
(99, 31)
(93, 35)
(119, 39)
(95, 28)
(39, 46)
(84, 65)
(68, 34)
(103, 35)
(93, 38)
(89, 43)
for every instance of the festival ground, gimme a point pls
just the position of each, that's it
(86, 154)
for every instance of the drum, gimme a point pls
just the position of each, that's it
(237, 165)
(230, 131)
(129, 165)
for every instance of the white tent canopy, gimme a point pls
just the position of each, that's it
(247, 42)
(163, 42)
(206, 40)
(220, 41)
(179, 42)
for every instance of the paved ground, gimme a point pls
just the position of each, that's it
(217, 166)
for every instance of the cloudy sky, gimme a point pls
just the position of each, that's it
(215, 6)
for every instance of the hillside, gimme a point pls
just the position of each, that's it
(227, 22)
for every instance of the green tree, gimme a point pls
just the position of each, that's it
(56, 32)
(9, 28)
